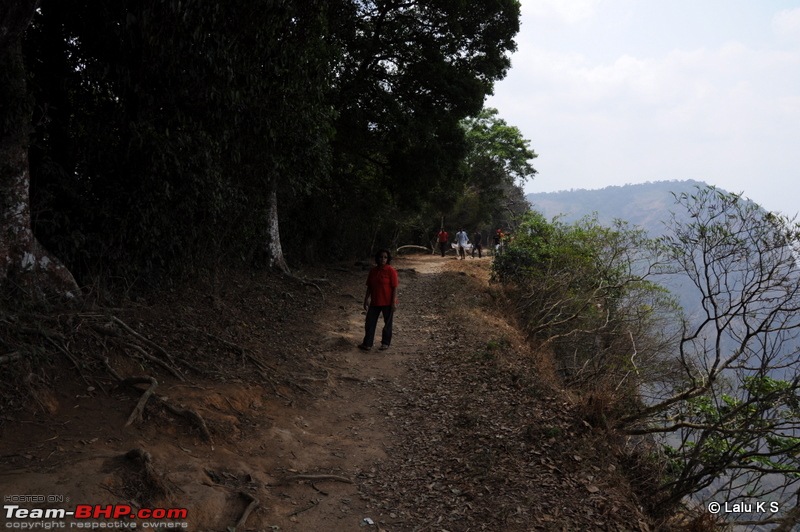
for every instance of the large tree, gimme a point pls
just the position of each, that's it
(167, 128)
(407, 73)
(24, 264)
(168, 132)
(498, 164)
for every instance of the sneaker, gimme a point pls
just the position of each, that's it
(383, 347)
(364, 347)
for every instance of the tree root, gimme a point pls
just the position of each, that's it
(187, 413)
(309, 378)
(105, 330)
(136, 415)
(262, 367)
(301, 510)
(190, 415)
(300, 387)
(336, 478)
(305, 282)
(151, 476)
(147, 341)
(247, 511)
(241, 350)
(174, 372)
(67, 354)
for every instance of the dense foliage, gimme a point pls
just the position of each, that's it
(497, 164)
(161, 125)
(584, 289)
(407, 75)
(167, 132)
(716, 389)
(164, 126)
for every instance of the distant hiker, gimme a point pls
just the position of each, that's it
(498, 240)
(443, 236)
(477, 239)
(381, 298)
(462, 240)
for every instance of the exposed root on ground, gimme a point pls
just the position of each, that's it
(189, 414)
(336, 478)
(252, 505)
(136, 415)
(306, 282)
(152, 479)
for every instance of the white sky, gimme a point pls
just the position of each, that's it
(611, 92)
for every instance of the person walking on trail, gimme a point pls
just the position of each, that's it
(477, 240)
(498, 241)
(443, 237)
(380, 299)
(462, 240)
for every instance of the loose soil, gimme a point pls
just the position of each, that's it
(458, 426)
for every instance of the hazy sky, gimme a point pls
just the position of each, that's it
(611, 92)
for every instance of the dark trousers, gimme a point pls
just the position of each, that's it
(478, 248)
(372, 323)
(443, 247)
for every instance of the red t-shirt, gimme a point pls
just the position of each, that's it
(380, 281)
(443, 236)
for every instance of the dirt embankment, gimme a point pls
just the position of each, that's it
(267, 417)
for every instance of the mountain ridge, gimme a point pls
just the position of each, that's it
(646, 205)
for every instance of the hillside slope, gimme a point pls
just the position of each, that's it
(646, 205)
(459, 426)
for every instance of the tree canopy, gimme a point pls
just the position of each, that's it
(161, 126)
(497, 165)
(168, 132)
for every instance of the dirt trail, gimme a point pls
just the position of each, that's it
(334, 431)
(452, 428)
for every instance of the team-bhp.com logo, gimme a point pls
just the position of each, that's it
(16, 515)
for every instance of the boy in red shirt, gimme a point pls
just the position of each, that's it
(443, 236)
(381, 298)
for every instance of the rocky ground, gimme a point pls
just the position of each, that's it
(265, 415)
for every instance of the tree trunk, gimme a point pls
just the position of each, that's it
(273, 245)
(15, 16)
(24, 265)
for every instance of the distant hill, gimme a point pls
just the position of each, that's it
(646, 205)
